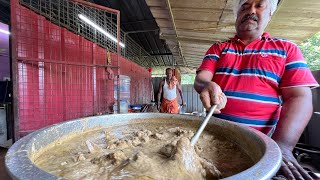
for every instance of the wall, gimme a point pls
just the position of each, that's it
(140, 84)
(155, 82)
(4, 52)
(191, 98)
(62, 76)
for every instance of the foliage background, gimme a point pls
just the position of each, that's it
(311, 51)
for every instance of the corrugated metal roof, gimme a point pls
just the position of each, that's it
(138, 22)
(191, 27)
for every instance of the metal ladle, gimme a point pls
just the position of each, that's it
(195, 138)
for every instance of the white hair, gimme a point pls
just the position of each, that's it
(239, 3)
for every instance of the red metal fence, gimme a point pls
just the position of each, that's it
(59, 75)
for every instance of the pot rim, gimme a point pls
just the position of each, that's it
(19, 165)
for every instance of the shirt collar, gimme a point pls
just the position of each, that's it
(265, 35)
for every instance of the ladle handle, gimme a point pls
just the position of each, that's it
(195, 138)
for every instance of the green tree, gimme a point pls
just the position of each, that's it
(311, 51)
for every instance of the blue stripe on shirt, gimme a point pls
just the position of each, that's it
(277, 52)
(246, 121)
(252, 96)
(250, 71)
(211, 56)
(296, 66)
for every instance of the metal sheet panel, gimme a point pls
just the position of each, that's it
(63, 76)
(191, 98)
(140, 88)
(58, 78)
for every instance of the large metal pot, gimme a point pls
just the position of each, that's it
(263, 150)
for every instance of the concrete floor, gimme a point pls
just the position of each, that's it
(3, 173)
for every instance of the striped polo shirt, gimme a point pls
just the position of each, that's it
(251, 76)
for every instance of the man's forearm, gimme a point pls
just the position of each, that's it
(202, 80)
(295, 115)
(200, 84)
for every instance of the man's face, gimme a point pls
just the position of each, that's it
(253, 17)
(169, 73)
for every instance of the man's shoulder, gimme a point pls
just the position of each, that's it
(222, 43)
(225, 42)
(283, 41)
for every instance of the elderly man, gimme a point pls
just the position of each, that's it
(169, 87)
(266, 80)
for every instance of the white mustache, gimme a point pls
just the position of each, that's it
(253, 17)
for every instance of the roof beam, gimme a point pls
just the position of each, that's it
(186, 39)
(162, 54)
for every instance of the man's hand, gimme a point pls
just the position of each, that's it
(210, 92)
(213, 95)
(158, 106)
(290, 168)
